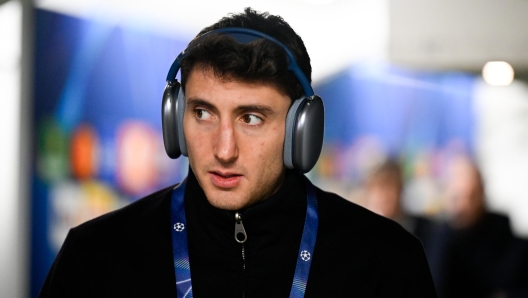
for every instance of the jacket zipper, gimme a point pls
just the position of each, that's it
(240, 237)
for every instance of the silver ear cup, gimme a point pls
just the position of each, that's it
(288, 136)
(308, 134)
(180, 111)
(169, 121)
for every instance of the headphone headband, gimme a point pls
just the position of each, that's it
(245, 35)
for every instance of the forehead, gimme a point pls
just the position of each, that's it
(204, 85)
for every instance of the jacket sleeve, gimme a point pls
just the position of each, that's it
(66, 277)
(407, 274)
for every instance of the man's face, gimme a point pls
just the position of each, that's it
(235, 135)
(465, 196)
(383, 198)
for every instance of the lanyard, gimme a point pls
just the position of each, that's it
(182, 268)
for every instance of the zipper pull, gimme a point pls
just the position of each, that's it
(240, 232)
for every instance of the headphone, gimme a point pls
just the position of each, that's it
(304, 122)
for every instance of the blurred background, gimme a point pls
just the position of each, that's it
(426, 121)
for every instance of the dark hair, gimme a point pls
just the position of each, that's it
(258, 61)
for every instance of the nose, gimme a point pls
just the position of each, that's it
(226, 149)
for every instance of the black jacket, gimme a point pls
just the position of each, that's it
(128, 252)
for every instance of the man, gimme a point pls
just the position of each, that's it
(246, 221)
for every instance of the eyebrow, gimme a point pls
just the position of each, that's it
(200, 102)
(243, 108)
(257, 108)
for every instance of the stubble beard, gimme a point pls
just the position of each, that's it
(244, 195)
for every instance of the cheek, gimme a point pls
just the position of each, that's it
(198, 142)
(272, 145)
(264, 153)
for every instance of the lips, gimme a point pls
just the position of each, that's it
(225, 180)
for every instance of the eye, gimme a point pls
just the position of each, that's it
(251, 119)
(202, 114)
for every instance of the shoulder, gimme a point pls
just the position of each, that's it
(500, 221)
(356, 220)
(347, 227)
(375, 253)
(109, 233)
(96, 255)
(136, 213)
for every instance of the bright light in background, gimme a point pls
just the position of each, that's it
(498, 73)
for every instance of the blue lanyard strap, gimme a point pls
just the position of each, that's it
(305, 256)
(180, 251)
(182, 268)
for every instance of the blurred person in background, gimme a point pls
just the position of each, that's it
(384, 189)
(476, 254)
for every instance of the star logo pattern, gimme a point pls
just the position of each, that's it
(305, 255)
(178, 227)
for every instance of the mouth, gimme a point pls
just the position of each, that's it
(225, 180)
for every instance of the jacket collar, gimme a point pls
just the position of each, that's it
(264, 222)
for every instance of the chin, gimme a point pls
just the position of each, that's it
(225, 205)
(225, 201)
